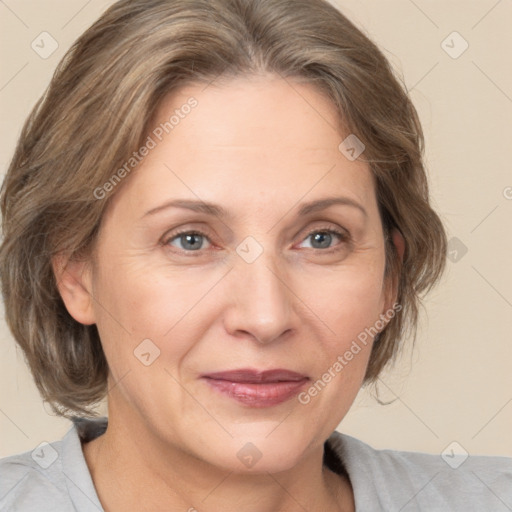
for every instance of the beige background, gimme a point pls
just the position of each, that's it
(457, 383)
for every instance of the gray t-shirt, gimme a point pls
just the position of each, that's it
(54, 477)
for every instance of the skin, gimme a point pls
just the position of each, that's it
(259, 148)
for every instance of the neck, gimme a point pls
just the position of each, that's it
(133, 469)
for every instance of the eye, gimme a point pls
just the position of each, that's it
(321, 239)
(191, 241)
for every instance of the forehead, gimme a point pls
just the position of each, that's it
(249, 140)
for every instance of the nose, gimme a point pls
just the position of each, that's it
(260, 305)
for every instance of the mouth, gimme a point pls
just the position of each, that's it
(257, 389)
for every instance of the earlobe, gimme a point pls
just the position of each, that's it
(73, 279)
(399, 242)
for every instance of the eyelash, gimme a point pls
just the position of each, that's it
(344, 236)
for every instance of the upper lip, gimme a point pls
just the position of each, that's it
(256, 376)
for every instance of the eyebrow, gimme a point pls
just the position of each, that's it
(217, 210)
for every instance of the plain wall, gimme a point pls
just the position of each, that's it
(456, 385)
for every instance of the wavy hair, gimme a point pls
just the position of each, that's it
(96, 112)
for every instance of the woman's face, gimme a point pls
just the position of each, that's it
(264, 283)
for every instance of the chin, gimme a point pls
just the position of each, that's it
(258, 451)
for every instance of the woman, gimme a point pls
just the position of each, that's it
(218, 218)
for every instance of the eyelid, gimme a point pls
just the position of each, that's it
(343, 234)
(167, 238)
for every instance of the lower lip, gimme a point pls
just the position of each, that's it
(258, 395)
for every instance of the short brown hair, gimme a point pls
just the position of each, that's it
(96, 112)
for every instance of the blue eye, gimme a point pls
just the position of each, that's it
(193, 241)
(190, 240)
(323, 237)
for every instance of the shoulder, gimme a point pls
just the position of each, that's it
(51, 478)
(413, 480)
(33, 480)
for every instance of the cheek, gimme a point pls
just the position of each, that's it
(346, 301)
(350, 304)
(138, 302)
(145, 301)
(347, 304)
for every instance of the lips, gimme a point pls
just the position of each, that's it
(255, 376)
(254, 388)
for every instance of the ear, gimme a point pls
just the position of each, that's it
(399, 242)
(75, 287)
